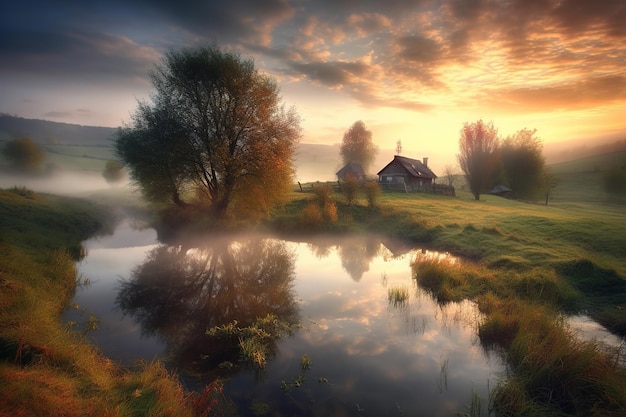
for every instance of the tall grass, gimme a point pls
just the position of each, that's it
(46, 368)
(553, 372)
(398, 296)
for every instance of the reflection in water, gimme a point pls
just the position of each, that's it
(179, 293)
(356, 254)
(366, 356)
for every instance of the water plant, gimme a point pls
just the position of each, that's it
(305, 362)
(398, 296)
(256, 340)
(305, 365)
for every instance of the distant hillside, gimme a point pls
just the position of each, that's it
(575, 150)
(77, 147)
(52, 133)
(593, 163)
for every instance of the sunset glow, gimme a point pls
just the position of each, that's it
(413, 71)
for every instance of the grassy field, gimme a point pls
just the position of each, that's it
(80, 158)
(525, 265)
(46, 368)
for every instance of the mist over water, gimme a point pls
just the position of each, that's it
(63, 183)
(415, 357)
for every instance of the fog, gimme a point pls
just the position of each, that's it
(63, 183)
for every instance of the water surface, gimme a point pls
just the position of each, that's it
(368, 355)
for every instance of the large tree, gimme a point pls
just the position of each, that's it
(478, 155)
(24, 154)
(357, 146)
(524, 164)
(215, 130)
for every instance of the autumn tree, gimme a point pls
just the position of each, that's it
(478, 145)
(215, 132)
(24, 155)
(357, 146)
(524, 164)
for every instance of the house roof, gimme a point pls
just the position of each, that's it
(351, 167)
(499, 189)
(413, 167)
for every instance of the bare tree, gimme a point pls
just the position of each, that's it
(449, 173)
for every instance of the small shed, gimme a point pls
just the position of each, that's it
(351, 168)
(501, 191)
(414, 174)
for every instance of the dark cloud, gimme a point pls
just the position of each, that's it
(332, 74)
(94, 57)
(418, 49)
(576, 16)
(364, 48)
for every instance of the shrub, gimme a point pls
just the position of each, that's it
(330, 212)
(615, 182)
(350, 188)
(324, 193)
(312, 215)
(372, 193)
(24, 154)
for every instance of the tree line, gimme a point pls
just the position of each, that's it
(216, 140)
(515, 161)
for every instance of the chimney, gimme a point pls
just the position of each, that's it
(425, 161)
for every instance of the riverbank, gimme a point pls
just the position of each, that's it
(530, 266)
(47, 368)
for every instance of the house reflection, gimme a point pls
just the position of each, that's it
(178, 293)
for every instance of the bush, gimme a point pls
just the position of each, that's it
(615, 183)
(330, 212)
(324, 193)
(24, 154)
(350, 188)
(312, 215)
(372, 193)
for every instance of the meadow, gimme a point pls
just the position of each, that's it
(526, 265)
(48, 367)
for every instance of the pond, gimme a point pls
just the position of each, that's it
(369, 340)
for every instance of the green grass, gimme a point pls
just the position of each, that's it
(78, 158)
(39, 222)
(525, 265)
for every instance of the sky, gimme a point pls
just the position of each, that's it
(413, 71)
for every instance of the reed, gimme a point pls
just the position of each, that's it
(398, 296)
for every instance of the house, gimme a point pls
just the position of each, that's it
(351, 168)
(412, 173)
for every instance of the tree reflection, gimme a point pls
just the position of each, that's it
(356, 256)
(180, 293)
